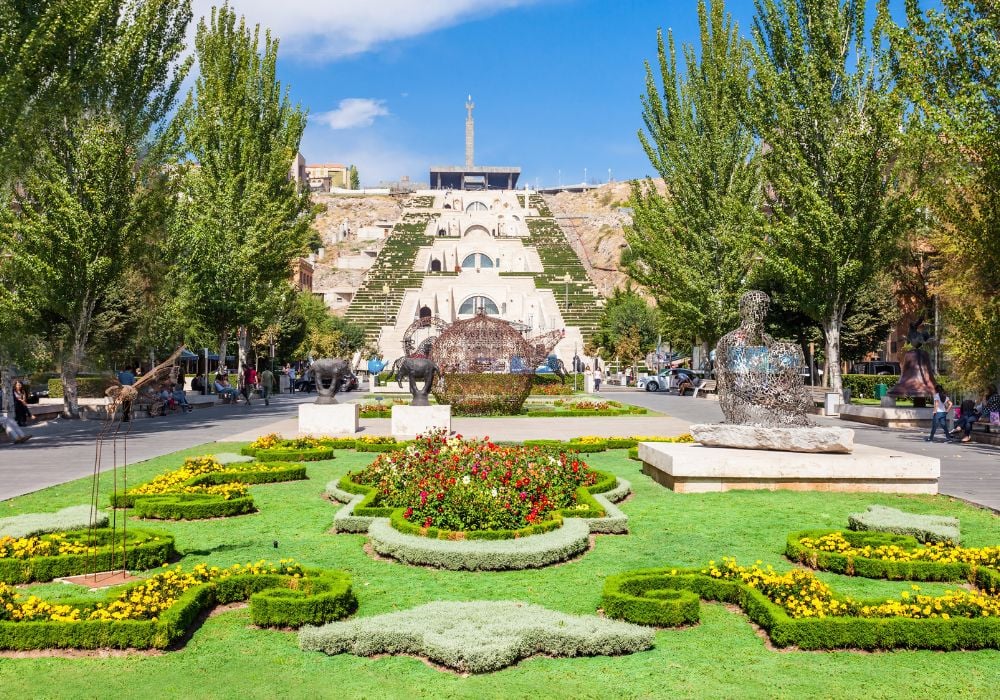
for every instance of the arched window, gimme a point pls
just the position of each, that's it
(476, 206)
(435, 265)
(484, 260)
(477, 305)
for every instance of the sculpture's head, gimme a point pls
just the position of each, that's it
(754, 306)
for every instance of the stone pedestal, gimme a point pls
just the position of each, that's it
(329, 420)
(410, 421)
(693, 468)
(888, 416)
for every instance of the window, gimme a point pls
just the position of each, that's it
(484, 260)
(477, 206)
(476, 305)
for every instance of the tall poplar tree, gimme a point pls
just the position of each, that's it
(83, 206)
(832, 134)
(691, 247)
(947, 62)
(241, 220)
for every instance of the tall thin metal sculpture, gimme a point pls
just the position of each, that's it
(120, 397)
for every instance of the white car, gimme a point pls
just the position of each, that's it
(669, 380)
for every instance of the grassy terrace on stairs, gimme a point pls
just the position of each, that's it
(578, 300)
(371, 307)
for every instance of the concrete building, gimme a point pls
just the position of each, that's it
(325, 176)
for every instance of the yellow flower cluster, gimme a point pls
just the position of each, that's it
(265, 442)
(44, 546)
(941, 552)
(801, 594)
(683, 437)
(176, 481)
(143, 602)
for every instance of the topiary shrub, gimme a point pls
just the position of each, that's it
(925, 528)
(484, 394)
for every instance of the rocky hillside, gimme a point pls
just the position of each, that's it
(594, 223)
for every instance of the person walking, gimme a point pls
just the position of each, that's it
(126, 378)
(21, 412)
(291, 379)
(243, 382)
(598, 376)
(266, 385)
(13, 430)
(942, 404)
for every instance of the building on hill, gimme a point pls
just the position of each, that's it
(323, 177)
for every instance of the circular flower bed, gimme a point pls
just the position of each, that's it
(465, 485)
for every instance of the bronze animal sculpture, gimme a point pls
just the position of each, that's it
(329, 374)
(414, 368)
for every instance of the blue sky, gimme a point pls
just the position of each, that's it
(556, 83)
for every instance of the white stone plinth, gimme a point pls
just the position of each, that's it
(887, 416)
(331, 419)
(694, 468)
(410, 421)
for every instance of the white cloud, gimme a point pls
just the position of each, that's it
(353, 112)
(325, 30)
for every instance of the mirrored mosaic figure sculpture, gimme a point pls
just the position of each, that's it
(759, 378)
(414, 369)
(329, 375)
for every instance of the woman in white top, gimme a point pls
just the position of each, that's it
(942, 404)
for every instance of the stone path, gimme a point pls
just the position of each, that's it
(64, 450)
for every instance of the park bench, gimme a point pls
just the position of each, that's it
(818, 394)
(707, 386)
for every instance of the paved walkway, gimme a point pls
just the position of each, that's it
(64, 450)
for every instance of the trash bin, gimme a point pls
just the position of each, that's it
(881, 390)
(831, 406)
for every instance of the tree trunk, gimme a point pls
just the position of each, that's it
(223, 344)
(831, 333)
(7, 381)
(70, 368)
(243, 341)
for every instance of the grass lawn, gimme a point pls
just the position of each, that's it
(721, 657)
(901, 403)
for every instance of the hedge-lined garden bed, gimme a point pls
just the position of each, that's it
(796, 609)
(158, 612)
(205, 488)
(45, 557)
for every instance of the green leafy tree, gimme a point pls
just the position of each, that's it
(947, 62)
(832, 132)
(323, 334)
(83, 206)
(691, 247)
(355, 179)
(241, 220)
(50, 51)
(628, 328)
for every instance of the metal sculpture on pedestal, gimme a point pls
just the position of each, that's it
(761, 392)
(415, 368)
(759, 378)
(329, 375)
(916, 378)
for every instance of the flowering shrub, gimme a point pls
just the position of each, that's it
(941, 552)
(551, 390)
(176, 481)
(801, 594)
(44, 546)
(457, 484)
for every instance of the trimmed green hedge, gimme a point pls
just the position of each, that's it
(281, 454)
(637, 596)
(577, 413)
(199, 506)
(87, 386)
(275, 601)
(146, 550)
(863, 385)
(985, 578)
(406, 527)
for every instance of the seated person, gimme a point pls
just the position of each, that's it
(223, 389)
(13, 430)
(180, 398)
(968, 414)
(166, 395)
(198, 383)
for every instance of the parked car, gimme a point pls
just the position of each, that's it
(875, 367)
(675, 379)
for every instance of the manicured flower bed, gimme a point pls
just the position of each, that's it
(204, 488)
(796, 608)
(464, 485)
(43, 558)
(883, 555)
(160, 611)
(569, 409)
(272, 447)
